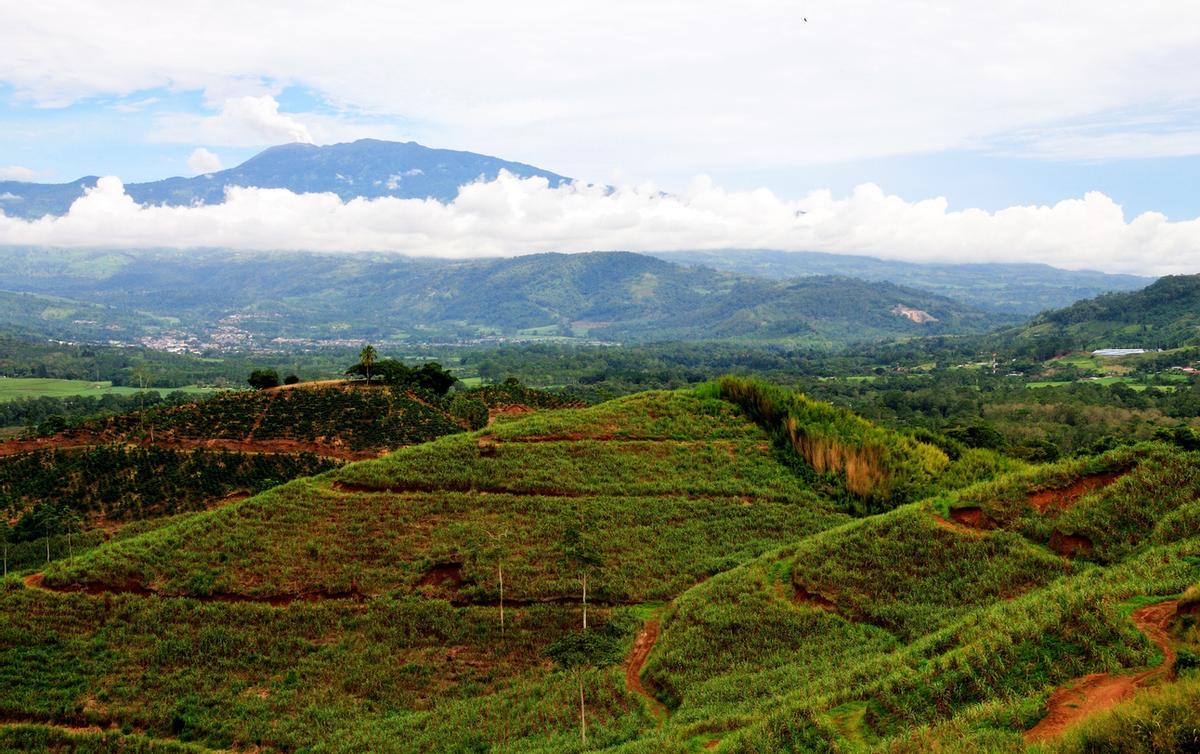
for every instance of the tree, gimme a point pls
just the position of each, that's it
(498, 538)
(366, 357)
(5, 537)
(579, 553)
(577, 652)
(69, 523)
(141, 373)
(291, 379)
(432, 377)
(45, 517)
(261, 379)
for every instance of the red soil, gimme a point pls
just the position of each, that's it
(1095, 693)
(1068, 545)
(1065, 497)
(513, 410)
(973, 517)
(804, 597)
(642, 646)
(85, 440)
(443, 576)
(957, 527)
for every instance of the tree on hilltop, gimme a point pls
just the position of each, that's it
(366, 357)
(261, 379)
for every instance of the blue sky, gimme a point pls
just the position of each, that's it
(107, 135)
(989, 106)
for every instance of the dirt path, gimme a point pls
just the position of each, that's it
(642, 646)
(1086, 696)
(354, 597)
(266, 447)
(258, 420)
(302, 385)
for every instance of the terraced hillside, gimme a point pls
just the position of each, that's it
(66, 493)
(741, 596)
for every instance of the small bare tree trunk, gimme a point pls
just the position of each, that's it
(47, 548)
(585, 602)
(582, 713)
(500, 567)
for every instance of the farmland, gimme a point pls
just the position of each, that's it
(13, 388)
(742, 594)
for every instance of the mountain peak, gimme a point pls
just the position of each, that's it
(366, 168)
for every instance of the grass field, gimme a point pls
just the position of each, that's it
(12, 388)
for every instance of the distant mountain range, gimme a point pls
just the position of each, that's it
(749, 285)
(610, 296)
(366, 168)
(1025, 289)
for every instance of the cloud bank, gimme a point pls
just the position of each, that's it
(16, 173)
(511, 216)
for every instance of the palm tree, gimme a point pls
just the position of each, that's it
(366, 357)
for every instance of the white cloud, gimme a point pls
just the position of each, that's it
(660, 90)
(135, 106)
(242, 122)
(251, 121)
(16, 173)
(394, 180)
(512, 216)
(202, 161)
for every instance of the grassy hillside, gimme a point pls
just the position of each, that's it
(740, 598)
(664, 489)
(1165, 314)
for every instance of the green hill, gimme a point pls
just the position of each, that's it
(742, 595)
(1165, 314)
(601, 295)
(1025, 289)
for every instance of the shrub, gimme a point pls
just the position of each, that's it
(472, 411)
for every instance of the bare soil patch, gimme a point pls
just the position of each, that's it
(1097, 692)
(78, 440)
(974, 517)
(515, 409)
(446, 576)
(1063, 498)
(802, 596)
(957, 528)
(1069, 545)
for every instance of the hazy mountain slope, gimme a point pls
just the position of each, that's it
(1013, 288)
(609, 295)
(1165, 314)
(366, 168)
